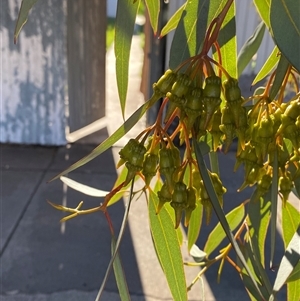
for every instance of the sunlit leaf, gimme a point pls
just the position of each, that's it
(153, 7)
(259, 212)
(295, 277)
(274, 201)
(195, 225)
(23, 16)
(112, 139)
(285, 23)
(250, 47)
(289, 261)
(172, 22)
(191, 29)
(263, 8)
(84, 188)
(228, 44)
(279, 76)
(124, 28)
(219, 212)
(114, 248)
(119, 273)
(216, 236)
(268, 66)
(167, 248)
(290, 223)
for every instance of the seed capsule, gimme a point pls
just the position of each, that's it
(285, 186)
(149, 167)
(191, 204)
(165, 83)
(227, 127)
(164, 196)
(179, 201)
(193, 107)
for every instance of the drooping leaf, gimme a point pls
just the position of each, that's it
(112, 139)
(289, 261)
(172, 22)
(219, 212)
(290, 223)
(263, 8)
(274, 201)
(191, 28)
(195, 225)
(268, 66)
(295, 277)
(153, 7)
(124, 28)
(119, 273)
(167, 248)
(26, 6)
(84, 188)
(114, 248)
(250, 47)
(216, 236)
(285, 23)
(259, 212)
(281, 69)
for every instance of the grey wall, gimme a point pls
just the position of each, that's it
(34, 79)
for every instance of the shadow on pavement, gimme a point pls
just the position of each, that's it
(41, 255)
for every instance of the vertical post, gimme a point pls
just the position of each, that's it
(86, 27)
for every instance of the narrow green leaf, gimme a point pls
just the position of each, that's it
(214, 162)
(168, 249)
(274, 200)
(268, 66)
(279, 76)
(289, 261)
(195, 225)
(290, 223)
(263, 8)
(191, 28)
(285, 23)
(84, 188)
(153, 7)
(216, 236)
(173, 21)
(219, 212)
(257, 270)
(259, 212)
(228, 44)
(124, 27)
(250, 47)
(295, 276)
(116, 245)
(112, 139)
(26, 6)
(119, 273)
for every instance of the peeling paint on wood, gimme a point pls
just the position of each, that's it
(34, 75)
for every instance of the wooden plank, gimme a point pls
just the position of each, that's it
(86, 24)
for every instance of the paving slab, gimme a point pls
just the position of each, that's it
(45, 257)
(25, 157)
(17, 188)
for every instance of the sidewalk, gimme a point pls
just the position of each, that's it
(43, 260)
